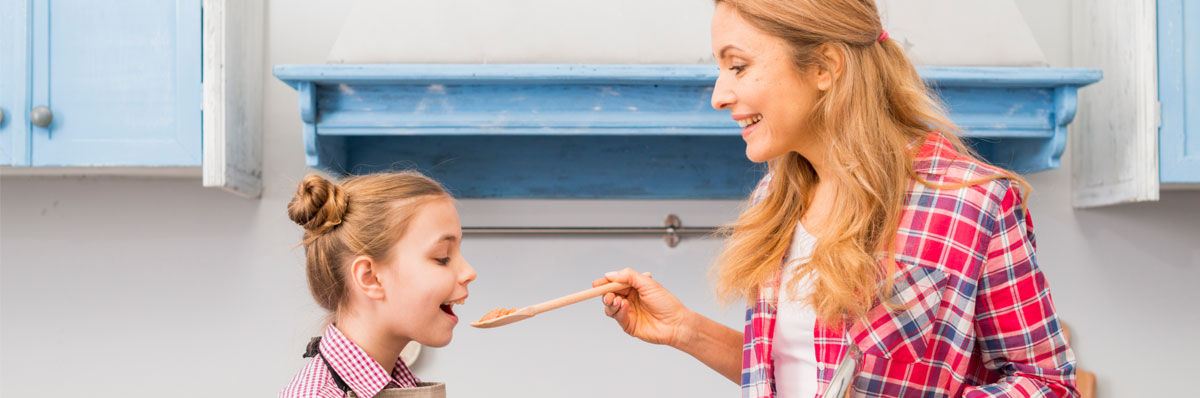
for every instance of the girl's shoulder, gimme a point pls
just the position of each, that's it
(313, 381)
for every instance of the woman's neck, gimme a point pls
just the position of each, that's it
(824, 191)
(382, 346)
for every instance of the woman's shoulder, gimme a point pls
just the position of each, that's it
(761, 190)
(939, 160)
(946, 171)
(313, 381)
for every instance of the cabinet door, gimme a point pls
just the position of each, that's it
(1114, 140)
(14, 86)
(122, 80)
(1179, 90)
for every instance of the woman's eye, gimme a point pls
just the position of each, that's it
(739, 69)
(442, 261)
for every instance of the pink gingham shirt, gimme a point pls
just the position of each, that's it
(360, 372)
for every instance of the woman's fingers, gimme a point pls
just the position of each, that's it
(616, 304)
(612, 303)
(621, 314)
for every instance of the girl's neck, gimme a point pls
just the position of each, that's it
(382, 346)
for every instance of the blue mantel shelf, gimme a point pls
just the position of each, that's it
(615, 131)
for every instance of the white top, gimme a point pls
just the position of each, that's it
(794, 350)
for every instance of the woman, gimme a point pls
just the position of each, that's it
(879, 257)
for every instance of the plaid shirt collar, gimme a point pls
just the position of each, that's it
(362, 374)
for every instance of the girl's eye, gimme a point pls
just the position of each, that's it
(442, 261)
(739, 69)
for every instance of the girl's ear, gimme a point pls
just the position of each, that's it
(365, 275)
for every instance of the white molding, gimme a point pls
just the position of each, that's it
(233, 59)
(1114, 144)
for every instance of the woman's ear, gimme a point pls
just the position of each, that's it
(835, 62)
(364, 274)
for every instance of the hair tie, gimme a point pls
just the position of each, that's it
(883, 36)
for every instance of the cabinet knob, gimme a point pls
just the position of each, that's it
(41, 116)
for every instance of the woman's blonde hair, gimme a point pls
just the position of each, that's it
(363, 215)
(871, 117)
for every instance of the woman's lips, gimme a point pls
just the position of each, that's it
(748, 121)
(748, 129)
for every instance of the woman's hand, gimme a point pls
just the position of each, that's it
(646, 310)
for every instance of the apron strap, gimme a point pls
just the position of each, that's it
(314, 350)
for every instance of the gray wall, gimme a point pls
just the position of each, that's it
(118, 286)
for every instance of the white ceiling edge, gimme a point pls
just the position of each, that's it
(962, 32)
(525, 31)
(934, 32)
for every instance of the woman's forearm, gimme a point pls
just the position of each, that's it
(714, 344)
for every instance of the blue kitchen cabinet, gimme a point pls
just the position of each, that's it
(1179, 91)
(14, 88)
(119, 80)
(615, 131)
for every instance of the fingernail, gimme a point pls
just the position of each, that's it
(611, 275)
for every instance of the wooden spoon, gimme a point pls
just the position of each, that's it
(530, 311)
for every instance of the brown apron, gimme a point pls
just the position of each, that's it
(422, 390)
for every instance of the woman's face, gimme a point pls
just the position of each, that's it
(761, 87)
(427, 275)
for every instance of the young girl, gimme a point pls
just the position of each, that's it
(382, 255)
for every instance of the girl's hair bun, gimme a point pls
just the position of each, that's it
(319, 205)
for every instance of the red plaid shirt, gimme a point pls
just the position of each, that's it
(360, 372)
(979, 321)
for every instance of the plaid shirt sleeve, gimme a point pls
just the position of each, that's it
(1018, 334)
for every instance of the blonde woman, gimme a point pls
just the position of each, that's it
(878, 256)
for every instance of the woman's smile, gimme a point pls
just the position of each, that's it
(748, 123)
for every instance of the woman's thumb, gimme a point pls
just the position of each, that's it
(630, 277)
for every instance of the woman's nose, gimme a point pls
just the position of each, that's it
(722, 96)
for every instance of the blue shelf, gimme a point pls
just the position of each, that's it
(614, 131)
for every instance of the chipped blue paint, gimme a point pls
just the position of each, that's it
(615, 131)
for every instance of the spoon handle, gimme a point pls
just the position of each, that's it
(579, 296)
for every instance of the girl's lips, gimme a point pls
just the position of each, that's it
(449, 312)
(448, 309)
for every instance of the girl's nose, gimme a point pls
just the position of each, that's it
(468, 273)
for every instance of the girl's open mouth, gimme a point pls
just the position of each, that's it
(448, 307)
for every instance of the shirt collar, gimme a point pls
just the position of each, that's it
(935, 155)
(360, 372)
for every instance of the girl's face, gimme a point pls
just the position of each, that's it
(427, 276)
(761, 87)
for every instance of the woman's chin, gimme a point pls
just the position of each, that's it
(756, 156)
